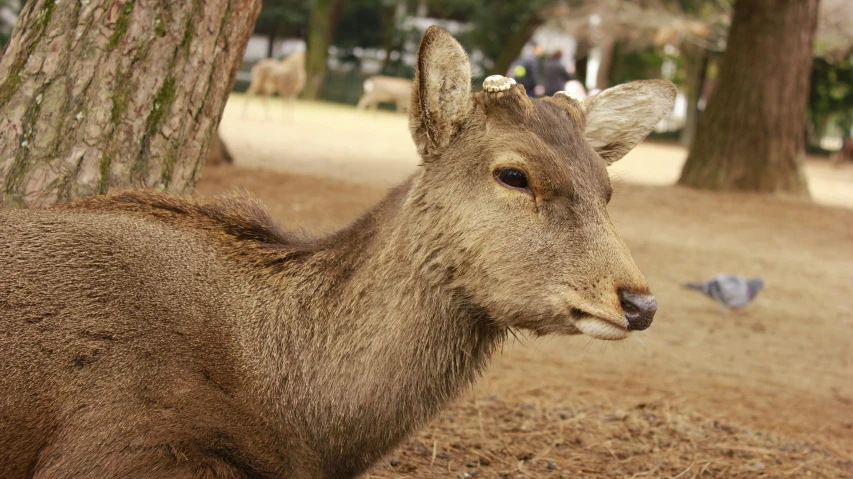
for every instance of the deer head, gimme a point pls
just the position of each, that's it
(513, 195)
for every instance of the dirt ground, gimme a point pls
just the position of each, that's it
(764, 393)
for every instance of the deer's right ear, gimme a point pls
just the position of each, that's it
(441, 95)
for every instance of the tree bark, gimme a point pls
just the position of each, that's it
(109, 94)
(750, 137)
(514, 44)
(696, 63)
(321, 32)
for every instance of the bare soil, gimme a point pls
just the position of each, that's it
(764, 393)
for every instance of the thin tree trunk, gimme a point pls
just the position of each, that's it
(110, 94)
(750, 137)
(607, 45)
(514, 44)
(271, 46)
(321, 32)
(388, 19)
(697, 67)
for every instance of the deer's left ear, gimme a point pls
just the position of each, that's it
(619, 118)
(441, 95)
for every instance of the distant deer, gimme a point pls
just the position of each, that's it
(285, 77)
(380, 88)
(147, 335)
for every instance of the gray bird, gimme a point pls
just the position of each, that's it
(730, 290)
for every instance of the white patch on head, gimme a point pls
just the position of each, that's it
(497, 83)
(601, 329)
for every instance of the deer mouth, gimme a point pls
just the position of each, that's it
(600, 328)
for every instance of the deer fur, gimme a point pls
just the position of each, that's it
(285, 77)
(380, 88)
(147, 335)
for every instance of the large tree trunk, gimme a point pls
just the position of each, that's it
(750, 136)
(108, 94)
(321, 32)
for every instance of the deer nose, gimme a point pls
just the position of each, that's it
(639, 310)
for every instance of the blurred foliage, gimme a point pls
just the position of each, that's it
(283, 18)
(639, 64)
(831, 93)
(495, 24)
(361, 24)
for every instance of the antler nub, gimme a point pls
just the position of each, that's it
(573, 97)
(497, 83)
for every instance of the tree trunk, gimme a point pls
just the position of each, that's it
(321, 31)
(514, 44)
(271, 46)
(388, 19)
(696, 63)
(750, 137)
(607, 45)
(111, 94)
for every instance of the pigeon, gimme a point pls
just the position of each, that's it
(730, 290)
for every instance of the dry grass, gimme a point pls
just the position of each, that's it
(502, 438)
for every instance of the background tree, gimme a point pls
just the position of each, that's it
(106, 94)
(751, 136)
(282, 19)
(640, 29)
(321, 31)
(501, 29)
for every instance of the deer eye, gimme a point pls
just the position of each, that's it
(511, 177)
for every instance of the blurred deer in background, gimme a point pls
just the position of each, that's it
(379, 88)
(285, 77)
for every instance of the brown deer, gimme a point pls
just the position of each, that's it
(147, 335)
(380, 88)
(285, 77)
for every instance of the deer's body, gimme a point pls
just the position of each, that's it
(145, 335)
(146, 310)
(379, 88)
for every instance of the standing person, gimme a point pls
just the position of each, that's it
(556, 74)
(525, 71)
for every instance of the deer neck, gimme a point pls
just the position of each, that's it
(372, 339)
